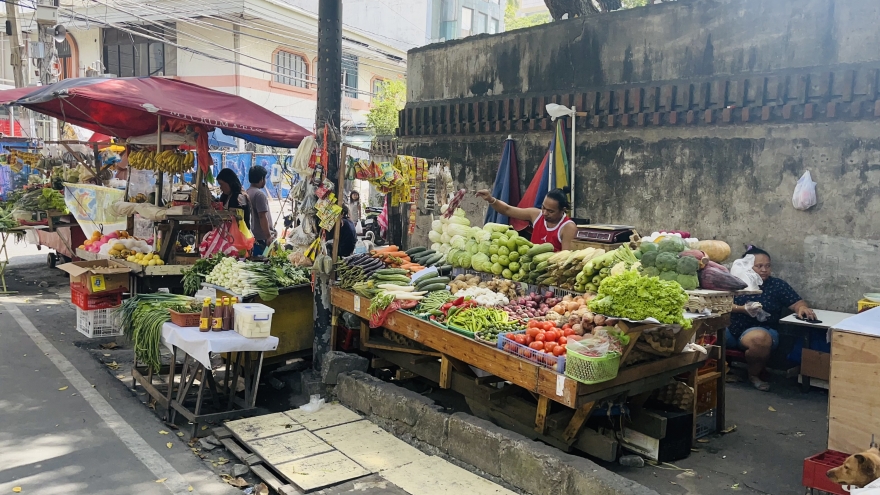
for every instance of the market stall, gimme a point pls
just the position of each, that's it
(557, 345)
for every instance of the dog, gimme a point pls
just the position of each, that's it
(857, 470)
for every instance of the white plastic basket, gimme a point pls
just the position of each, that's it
(98, 322)
(253, 321)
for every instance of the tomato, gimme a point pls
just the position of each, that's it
(551, 335)
(548, 346)
(529, 339)
(567, 332)
(559, 350)
(534, 324)
(562, 340)
(532, 331)
(541, 337)
(548, 325)
(519, 339)
(566, 327)
(537, 346)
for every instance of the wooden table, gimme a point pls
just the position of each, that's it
(457, 354)
(828, 320)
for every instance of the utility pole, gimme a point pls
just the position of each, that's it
(328, 112)
(15, 45)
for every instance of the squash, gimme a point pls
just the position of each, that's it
(717, 251)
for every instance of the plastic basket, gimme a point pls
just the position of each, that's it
(82, 299)
(815, 468)
(185, 319)
(556, 363)
(705, 424)
(98, 323)
(590, 370)
(460, 331)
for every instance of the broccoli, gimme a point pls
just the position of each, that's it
(687, 282)
(668, 276)
(687, 265)
(651, 271)
(671, 244)
(646, 247)
(637, 254)
(666, 262)
(648, 259)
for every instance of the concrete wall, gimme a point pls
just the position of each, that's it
(673, 41)
(731, 182)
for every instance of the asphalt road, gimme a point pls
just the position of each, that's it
(70, 427)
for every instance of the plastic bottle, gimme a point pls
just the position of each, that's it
(205, 319)
(232, 302)
(217, 320)
(227, 314)
(632, 461)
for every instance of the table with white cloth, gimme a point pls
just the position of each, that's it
(243, 360)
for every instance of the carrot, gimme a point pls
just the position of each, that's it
(386, 249)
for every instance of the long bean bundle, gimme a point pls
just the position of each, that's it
(142, 318)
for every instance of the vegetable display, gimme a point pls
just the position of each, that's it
(599, 268)
(477, 318)
(196, 274)
(491, 332)
(635, 297)
(244, 278)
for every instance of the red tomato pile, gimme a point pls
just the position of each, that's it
(546, 337)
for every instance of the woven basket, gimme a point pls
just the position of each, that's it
(185, 319)
(590, 370)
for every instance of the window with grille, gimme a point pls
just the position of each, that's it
(129, 55)
(291, 69)
(350, 75)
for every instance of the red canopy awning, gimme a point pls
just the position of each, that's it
(129, 106)
(8, 96)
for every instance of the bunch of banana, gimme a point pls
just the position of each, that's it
(172, 162)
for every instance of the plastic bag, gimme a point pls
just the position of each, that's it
(804, 192)
(239, 239)
(743, 270)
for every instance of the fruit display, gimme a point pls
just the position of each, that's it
(150, 259)
(168, 161)
(117, 242)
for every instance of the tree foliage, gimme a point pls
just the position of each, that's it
(511, 21)
(387, 103)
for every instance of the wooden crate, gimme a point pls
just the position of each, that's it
(854, 395)
(715, 301)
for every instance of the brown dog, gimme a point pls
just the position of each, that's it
(857, 470)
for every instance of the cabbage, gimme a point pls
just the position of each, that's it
(460, 220)
(472, 247)
(460, 230)
(495, 227)
(478, 261)
(484, 248)
(453, 256)
(444, 248)
(464, 259)
(437, 226)
(445, 238)
(482, 236)
(444, 208)
(458, 213)
(434, 236)
(458, 242)
(435, 247)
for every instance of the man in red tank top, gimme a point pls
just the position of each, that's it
(550, 223)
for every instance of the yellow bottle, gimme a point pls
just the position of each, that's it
(205, 319)
(217, 320)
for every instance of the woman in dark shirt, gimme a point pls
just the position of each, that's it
(758, 338)
(232, 196)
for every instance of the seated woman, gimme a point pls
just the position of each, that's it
(751, 324)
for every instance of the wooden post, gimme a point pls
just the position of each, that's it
(577, 422)
(160, 176)
(541, 416)
(445, 372)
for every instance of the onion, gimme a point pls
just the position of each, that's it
(599, 320)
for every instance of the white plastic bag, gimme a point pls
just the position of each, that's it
(804, 192)
(743, 269)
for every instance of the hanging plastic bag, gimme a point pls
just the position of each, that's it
(217, 241)
(239, 239)
(743, 270)
(804, 192)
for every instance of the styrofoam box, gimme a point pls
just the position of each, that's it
(253, 320)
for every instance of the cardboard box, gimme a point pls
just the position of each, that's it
(677, 430)
(98, 275)
(815, 364)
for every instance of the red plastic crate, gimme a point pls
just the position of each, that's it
(82, 299)
(815, 468)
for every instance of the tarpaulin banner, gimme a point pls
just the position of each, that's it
(90, 206)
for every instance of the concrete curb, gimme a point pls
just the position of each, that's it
(515, 460)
